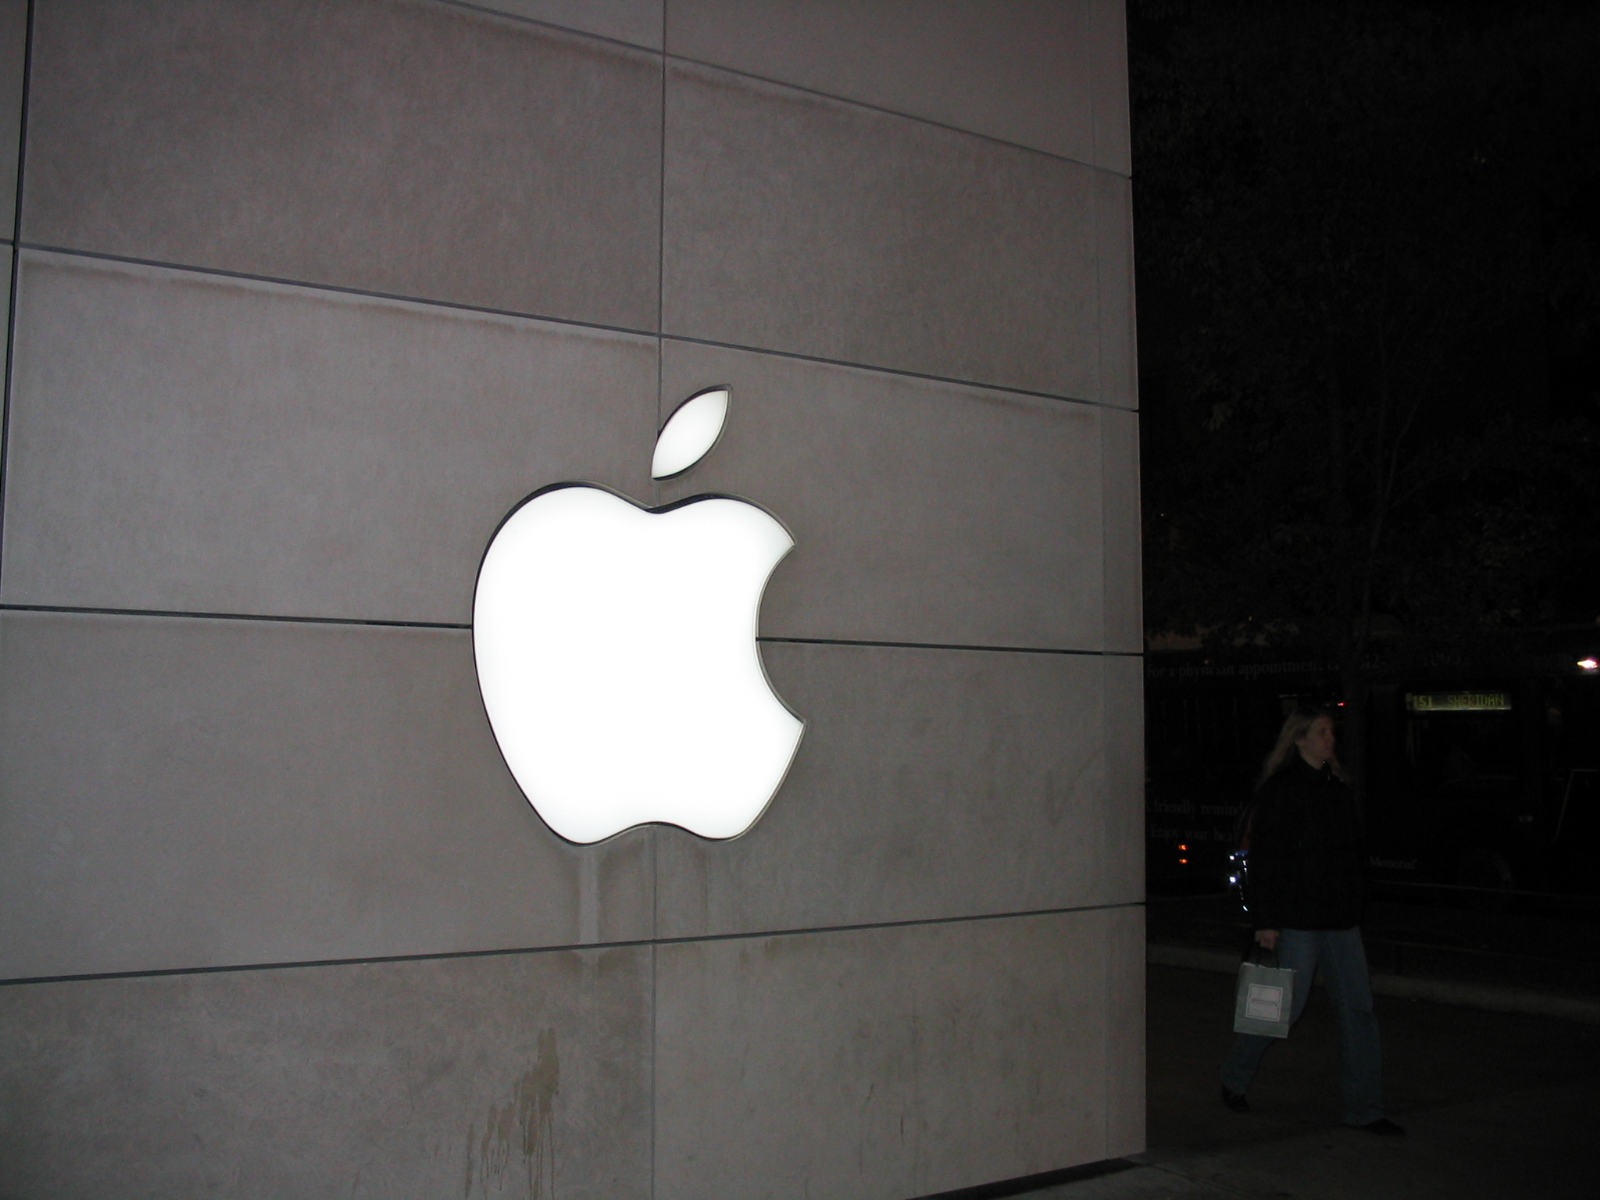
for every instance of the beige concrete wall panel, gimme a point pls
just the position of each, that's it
(1124, 605)
(634, 21)
(929, 784)
(414, 149)
(185, 793)
(186, 442)
(1022, 71)
(884, 1063)
(1119, 367)
(515, 1075)
(1108, 59)
(1125, 1031)
(13, 53)
(921, 512)
(1123, 811)
(802, 224)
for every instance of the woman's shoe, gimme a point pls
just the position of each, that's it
(1235, 1102)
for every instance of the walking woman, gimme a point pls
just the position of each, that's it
(1307, 888)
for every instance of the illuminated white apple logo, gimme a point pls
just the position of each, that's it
(617, 656)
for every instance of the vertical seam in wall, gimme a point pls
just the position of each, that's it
(1099, 289)
(1107, 1067)
(654, 949)
(1108, 808)
(16, 265)
(661, 324)
(1092, 28)
(661, 197)
(1100, 394)
(654, 1083)
(661, 258)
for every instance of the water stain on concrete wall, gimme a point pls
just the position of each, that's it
(515, 1153)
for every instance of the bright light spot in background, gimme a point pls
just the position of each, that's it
(689, 433)
(617, 658)
(1589, 664)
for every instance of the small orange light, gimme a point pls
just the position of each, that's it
(1183, 847)
(1183, 860)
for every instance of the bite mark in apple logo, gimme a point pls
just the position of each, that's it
(617, 656)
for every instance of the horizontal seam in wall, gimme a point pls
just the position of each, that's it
(898, 372)
(522, 19)
(894, 112)
(337, 289)
(638, 943)
(463, 627)
(79, 610)
(457, 306)
(803, 641)
(667, 56)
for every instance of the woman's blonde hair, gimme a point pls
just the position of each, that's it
(1295, 726)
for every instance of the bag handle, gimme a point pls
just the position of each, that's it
(1256, 950)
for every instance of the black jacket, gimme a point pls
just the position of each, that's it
(1307, 865)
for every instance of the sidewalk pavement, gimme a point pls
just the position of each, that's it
(1497, 1105)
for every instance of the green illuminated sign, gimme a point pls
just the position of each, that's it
(1433, 702)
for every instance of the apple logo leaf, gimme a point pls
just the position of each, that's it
(689, 433)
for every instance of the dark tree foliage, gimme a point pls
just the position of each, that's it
(1368, 298)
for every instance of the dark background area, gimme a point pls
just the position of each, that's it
(1369, 351)
(1368, 320)
(1370, 412)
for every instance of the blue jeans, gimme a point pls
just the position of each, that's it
(1344, 969)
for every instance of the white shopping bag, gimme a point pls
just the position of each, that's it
(1265, 999)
